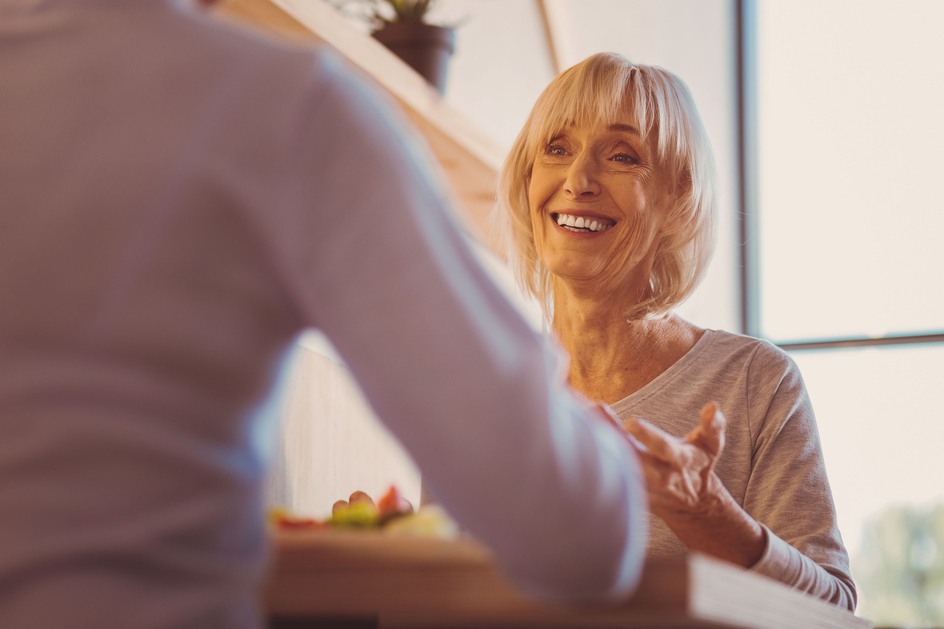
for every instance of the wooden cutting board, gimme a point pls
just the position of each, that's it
(411, 582)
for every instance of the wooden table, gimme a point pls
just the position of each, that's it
(354, 579)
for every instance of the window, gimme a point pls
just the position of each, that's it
(842, 146)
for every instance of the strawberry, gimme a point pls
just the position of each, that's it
(392, 504)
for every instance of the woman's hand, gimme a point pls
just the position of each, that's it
(689, 497)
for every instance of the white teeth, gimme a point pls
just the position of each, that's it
(577, 223)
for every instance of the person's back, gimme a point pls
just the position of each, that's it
(177, 201)
(141, 308)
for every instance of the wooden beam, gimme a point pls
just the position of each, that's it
(556, 34)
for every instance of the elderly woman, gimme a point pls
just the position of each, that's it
(607, 205)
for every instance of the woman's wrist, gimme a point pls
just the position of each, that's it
(722, 529)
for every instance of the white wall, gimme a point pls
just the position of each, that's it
(331, 443)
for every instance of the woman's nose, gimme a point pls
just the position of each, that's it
(582, 178)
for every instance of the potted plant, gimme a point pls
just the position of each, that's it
(401, 26)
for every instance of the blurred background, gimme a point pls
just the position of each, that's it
(825, 118)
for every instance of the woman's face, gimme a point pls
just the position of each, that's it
(597, 200)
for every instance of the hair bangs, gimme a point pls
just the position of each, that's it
(588, 95)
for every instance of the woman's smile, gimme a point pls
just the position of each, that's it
(579, 223)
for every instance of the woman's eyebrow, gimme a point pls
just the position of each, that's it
(624, 127)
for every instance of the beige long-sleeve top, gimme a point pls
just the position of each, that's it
(772, 463)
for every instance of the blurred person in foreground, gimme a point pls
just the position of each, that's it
(178, 200)
(607, 207)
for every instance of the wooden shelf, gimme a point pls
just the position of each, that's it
(470, 159)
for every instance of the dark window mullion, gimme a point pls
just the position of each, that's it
(864, 341)
(748, 234)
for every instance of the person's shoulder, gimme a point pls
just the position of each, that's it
(225, 31)
(278, 75)
(211, 37)
(770, 376)
(759, 355)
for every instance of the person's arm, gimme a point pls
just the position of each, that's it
(786, 528)
(475, 395)
(788, 491)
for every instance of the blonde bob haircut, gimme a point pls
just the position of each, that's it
(603, 89)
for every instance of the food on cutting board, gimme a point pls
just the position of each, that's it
(429, 521)
(282, 519)
(391, 515)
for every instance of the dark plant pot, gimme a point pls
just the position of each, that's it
(424, 47)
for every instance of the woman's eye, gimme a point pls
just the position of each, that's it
(624, 158)
(555, 149)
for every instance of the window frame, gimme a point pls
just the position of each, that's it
(748, 241)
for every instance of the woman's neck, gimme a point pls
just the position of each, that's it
(610, 356)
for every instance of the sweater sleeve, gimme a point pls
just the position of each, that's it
(788, 492)
(472, 392)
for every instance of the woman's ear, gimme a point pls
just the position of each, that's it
(675, 215)
(674, 182)
(678, 185)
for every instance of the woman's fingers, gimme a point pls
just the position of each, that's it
(659, 443)
(607, 414)
(709, 435)
(654, 469)
(676, 469)
(671, 488)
